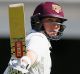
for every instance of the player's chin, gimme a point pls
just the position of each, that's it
(52, 34)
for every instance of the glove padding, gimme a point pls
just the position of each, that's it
(21, 65)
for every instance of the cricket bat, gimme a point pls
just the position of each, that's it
(17, 35)
(17, 30)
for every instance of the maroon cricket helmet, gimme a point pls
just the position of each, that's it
(47, 9)
(50, 9)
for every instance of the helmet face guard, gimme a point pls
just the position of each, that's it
(59, 33)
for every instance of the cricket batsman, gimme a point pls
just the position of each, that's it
(47, 24)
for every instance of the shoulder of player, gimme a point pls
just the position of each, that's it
(36, 34)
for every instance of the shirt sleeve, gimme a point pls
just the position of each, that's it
(38, 44)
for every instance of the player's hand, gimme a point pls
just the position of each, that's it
(17, 66)
(24, 62)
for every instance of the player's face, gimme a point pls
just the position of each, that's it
(51, 26)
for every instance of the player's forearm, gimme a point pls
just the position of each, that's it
(32, 56)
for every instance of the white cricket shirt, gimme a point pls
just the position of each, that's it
(40, 44)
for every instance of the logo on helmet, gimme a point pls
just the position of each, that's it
(56, 8)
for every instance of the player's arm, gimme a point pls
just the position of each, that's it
(32, 55)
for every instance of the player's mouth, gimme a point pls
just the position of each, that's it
(52, 33)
